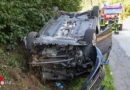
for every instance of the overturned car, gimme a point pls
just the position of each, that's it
(65, 47)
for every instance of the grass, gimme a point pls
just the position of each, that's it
(108, 81)
(10, 62)
(11, 59)
(76, 84)
(13, 68)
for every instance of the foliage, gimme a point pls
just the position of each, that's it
(12, 59)
(126, 5)
(76, 84)
(88, 4)
(19, 17)
(14, 70)
(108, 81)
(127, 8)
(103, 1)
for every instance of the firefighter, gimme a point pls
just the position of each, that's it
(116, 26)
(110, 22)
(116, 19)
(102, 23)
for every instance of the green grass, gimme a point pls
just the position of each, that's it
(13, 59)
(76, 84)
(8, 59)
(12, 68)
(108, 81)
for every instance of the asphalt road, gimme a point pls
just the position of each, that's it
(120, 57)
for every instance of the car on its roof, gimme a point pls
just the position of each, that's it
(65, 47)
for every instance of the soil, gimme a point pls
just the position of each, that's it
(20, 80)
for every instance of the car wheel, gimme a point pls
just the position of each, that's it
(90, 53)
(30, 38)
(94, 39)
(95, 11)
(90, 37)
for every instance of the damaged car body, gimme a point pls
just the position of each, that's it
(65, 47)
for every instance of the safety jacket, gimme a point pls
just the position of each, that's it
(102, 21)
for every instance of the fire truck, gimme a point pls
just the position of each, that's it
(114, 12)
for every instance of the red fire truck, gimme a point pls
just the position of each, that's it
(111, 12)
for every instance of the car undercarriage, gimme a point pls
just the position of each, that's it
(63, 62)
(65, 47)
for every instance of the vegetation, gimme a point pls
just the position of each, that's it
(126, 5)
(14, 70)
(108, 81)
(19, 17)
(88, 4)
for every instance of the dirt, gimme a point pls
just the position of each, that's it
(31, 82)
(20, 81)
(18, 78)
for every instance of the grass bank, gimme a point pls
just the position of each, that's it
(14, 70)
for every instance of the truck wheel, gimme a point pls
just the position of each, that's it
(90, 36)
(30, 38)
(95, 11)
(120, 26)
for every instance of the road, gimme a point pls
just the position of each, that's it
(120, 57)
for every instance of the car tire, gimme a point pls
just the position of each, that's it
(90, 53)
(90, 37)
(95, 11)
(120, 26)
(30, 38)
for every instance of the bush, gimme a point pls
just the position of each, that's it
(19, 17)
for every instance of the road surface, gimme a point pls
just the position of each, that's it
(120, 57)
